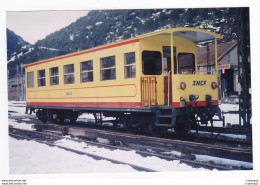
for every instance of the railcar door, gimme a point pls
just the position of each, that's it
(167, 72)
(152, 71)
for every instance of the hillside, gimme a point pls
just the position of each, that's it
(105, 26)
(14, 42)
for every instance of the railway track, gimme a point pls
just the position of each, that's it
(141, 145)
(186, 147)
(49, 139)
(202, 138)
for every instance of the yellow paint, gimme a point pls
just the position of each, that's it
(120, 89)
(201, 90)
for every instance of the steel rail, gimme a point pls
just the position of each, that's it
(137, 167)
(179, 145)
(189, 162)
(191, 144)
(194, 147)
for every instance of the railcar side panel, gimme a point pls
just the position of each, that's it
(116, 92)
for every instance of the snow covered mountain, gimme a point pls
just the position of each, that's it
(14, 42)
(105, 26)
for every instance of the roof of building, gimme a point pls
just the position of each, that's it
(222, 48)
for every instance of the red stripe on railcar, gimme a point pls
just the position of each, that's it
(85, 52)
(199, 103)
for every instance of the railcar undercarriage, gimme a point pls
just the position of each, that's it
(157, 119)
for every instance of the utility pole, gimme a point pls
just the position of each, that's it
(17, 88)
(244, 71)
(208, 58)
(22, 82)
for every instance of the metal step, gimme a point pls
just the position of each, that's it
(162, 125)
(164, 116)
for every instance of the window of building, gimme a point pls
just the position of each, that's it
(30, 79)
(41, 78)
(86, 71)
(54, 76)
(130, 70)
(186, 63)
(69, 74)
(107, 68)
(152, 62)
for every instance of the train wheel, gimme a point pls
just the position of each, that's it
(42, 115)
(127, 125)
(182, 126)
(73, 120)
(159, 131)
(54, 121)
(156, 131)
(43, 119)
(60, 120)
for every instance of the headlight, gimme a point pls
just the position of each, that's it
(214, 85)
(183, 85)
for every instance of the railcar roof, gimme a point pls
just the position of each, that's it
(194, 34)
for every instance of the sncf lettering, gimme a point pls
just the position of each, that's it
(199, 83)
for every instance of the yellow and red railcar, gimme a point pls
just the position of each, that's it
(150, 81)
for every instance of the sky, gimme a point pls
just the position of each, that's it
(36, 25)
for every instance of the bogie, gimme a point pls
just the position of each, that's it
(182, 125)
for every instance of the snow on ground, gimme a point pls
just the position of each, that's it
(45, 159)
(234, 136)
(90, 118)
(229, 118)
(30, 157)
(129, 156)
(15, 124)
(174, 153)
(18, 109)
(218, 160)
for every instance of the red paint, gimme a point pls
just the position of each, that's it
(88, 104)
(199, 103)
(82, 97)
(85, 52)
(166, 90)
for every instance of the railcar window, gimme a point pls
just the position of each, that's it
(107, 68)
(30, 79)
(41, 78)
(167, 60)
(69, 74)
(86, 71)
(152, 62)
(186, 62)
(54, 76)
(130, 70)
